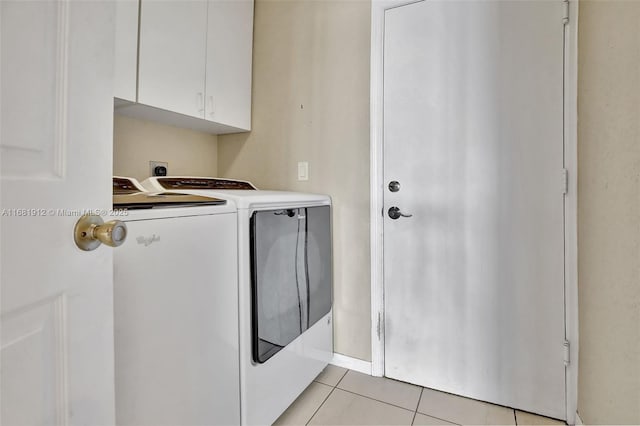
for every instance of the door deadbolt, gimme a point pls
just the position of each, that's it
(394, 186)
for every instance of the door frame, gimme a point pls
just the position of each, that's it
(570, 130)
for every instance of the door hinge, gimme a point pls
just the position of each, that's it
(565, 7)
(567, 352)
(379, 327)
(565, 181)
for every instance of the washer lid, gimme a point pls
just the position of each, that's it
(142, 200)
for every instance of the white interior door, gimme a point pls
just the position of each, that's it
(56, 137)
(473, 133)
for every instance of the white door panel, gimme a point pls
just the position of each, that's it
(33, 39)
(55, 141)
(474, 280)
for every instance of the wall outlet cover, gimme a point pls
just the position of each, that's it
(155, 168)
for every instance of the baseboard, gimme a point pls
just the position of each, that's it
(354, 364)
(579, 421)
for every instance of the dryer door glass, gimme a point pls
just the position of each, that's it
(291, 275)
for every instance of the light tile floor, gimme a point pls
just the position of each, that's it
(344, 397)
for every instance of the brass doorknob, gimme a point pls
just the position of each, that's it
(91, 231)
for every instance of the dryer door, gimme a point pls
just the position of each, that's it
(291, 275)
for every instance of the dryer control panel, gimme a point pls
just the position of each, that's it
(202, 183)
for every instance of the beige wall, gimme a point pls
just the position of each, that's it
(136, 142)
(311, 103)
(609, 211)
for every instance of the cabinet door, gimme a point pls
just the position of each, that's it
(172, 55)
(229, 49)
(126, 49)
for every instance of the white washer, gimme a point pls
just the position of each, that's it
(285, 280)
(175, 310)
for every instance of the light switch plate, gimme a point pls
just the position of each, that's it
(303, 170)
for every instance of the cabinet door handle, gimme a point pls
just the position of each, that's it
(210, 105)
(200, 102)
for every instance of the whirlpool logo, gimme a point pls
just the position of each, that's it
(147, 241)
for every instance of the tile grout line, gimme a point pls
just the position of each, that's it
(413, 419)
(373, 399)
(431, 415)
(439, 418)
(415, 413)
(327, 397)
(515, 418)
(319, 406)
(342, 378)
(420, 398)
(339, 380)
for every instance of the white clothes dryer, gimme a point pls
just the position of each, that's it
(175, 310)
(285, 289)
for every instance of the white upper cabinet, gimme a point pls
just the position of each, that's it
(229, 56)
(173, 37)
(126, 46)
(189, 61)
